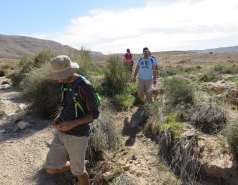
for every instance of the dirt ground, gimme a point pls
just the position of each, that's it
(23, 152)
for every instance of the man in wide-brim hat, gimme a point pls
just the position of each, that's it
(73, 130)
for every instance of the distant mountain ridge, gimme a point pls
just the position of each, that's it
(220, 49)
(17, 46)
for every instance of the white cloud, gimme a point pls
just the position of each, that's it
(177, 25)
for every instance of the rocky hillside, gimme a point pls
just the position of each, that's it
(17, 46)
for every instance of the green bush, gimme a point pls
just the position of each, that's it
(165, 72)
(115, 81)
(232, 138)
(124, 101)
(29, 63)
(210, 76)
(153, 108)
(41, 92)
(172, 122)
(224, 68)
(178, 90)
(128, 98)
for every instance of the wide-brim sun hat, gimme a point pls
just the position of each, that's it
(62, 67)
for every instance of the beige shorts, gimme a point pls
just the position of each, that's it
(67, 147)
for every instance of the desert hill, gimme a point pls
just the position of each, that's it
(220, 49)
(17, 46)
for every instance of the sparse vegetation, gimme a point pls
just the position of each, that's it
(108, 142)
(163, 124)
(41, 92)
(178, 90)
(224, 68)
(210, 76)
(114, 77)
(172, 123)
(115, 84)
(232, 138)
(29, 63)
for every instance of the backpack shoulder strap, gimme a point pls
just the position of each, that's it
(151, 59)
(140, 59)
(76, 83)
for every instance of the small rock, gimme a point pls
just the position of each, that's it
(22, 125)
(126, 167)
(2, 112)
(86, 163)
(21, 107)
(2, 131)
(133, 157)
(107, 176)
(5, 86)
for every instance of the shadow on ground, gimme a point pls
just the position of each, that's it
(133, 126)
(12, 130)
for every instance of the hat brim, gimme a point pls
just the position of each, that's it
(66, 73)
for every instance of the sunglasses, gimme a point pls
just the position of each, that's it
(146, 52)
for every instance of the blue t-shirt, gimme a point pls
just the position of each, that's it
(146, 65)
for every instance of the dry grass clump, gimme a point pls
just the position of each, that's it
(105, 137)
(7, 67)
(232, 137)
(42, 93)
(225, 68)
(29, 63)
(182, 155)
(210, 76)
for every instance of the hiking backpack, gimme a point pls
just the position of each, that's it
(76, 103)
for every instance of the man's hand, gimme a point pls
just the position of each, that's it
(56, 122)
(66, 125)
(154, 82)
(134, 80)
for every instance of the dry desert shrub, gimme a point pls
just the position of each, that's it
(29, 63)
(41, 92)
(7, 67)
(105, 137)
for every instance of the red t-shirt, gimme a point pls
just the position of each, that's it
(128, 56)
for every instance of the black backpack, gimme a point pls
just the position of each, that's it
(77, 104)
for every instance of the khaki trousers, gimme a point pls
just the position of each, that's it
(142, 90)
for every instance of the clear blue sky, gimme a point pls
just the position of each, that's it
(112, 26)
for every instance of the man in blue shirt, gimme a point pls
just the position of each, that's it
(146, 66)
